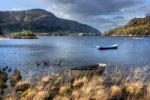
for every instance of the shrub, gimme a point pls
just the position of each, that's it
(23, 34)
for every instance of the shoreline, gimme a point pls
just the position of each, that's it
(126, 36)
(4, 38)
(8, 38)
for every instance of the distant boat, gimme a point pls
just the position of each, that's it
(97, 69)
(115, 46)
(137, 38)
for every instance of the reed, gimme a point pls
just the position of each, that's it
(46, 79)
(15, 77)
(42, 95)
(111, 86)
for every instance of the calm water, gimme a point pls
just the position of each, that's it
(72, 51)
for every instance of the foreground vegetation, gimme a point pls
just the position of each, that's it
(112, 86)
(25, 34)
(135, 27)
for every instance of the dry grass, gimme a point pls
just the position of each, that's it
(61, 98)
(134, 88)
(11, 96)
(39, 87)
(42, 95)
(46, 79)
(115, 91)
(15, 77)
(64, 90)
(30, 95)
(105, 87)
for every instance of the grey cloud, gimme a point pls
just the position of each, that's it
(104, 23)
(146, 9)
(119, 17)
(94, 7)
(97, 13)
(147, 14)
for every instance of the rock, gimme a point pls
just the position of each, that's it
(1, 91)
(22, 86)
(3, 85)
(3, 76)
(9, 70)
(5, 68)
(3, 79)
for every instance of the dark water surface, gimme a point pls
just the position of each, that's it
(72, 51)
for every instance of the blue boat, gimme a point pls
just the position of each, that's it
(115, 46)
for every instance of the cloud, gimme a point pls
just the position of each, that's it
(93, 7)
(15, 9)
(147, 14)
(146, 10)
(105, 22)
(97, 13)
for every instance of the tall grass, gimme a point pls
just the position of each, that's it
(113, 85)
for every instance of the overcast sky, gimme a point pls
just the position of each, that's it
(101, 14)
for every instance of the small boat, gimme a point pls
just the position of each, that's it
(115, 46)
(96, 69)
(137, 38)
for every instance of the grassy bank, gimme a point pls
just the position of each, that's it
(135, 27)
(110, 86)
(25, 34)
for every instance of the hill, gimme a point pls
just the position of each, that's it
(135, 27)
(42, 21)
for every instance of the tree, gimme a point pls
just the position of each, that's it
(1, 33)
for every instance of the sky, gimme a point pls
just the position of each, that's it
(101, 14)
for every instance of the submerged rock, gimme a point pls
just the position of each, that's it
(5, 68)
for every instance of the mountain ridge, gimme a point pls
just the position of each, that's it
(42, 21)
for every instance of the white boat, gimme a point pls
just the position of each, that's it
(114, 46)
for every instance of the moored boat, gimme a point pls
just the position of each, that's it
(115, 46)
(97, 69)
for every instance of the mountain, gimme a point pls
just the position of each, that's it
(42, 21)
(135, 27)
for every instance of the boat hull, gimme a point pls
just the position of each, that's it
(107, 48)
(115, 46)
(89, 70)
